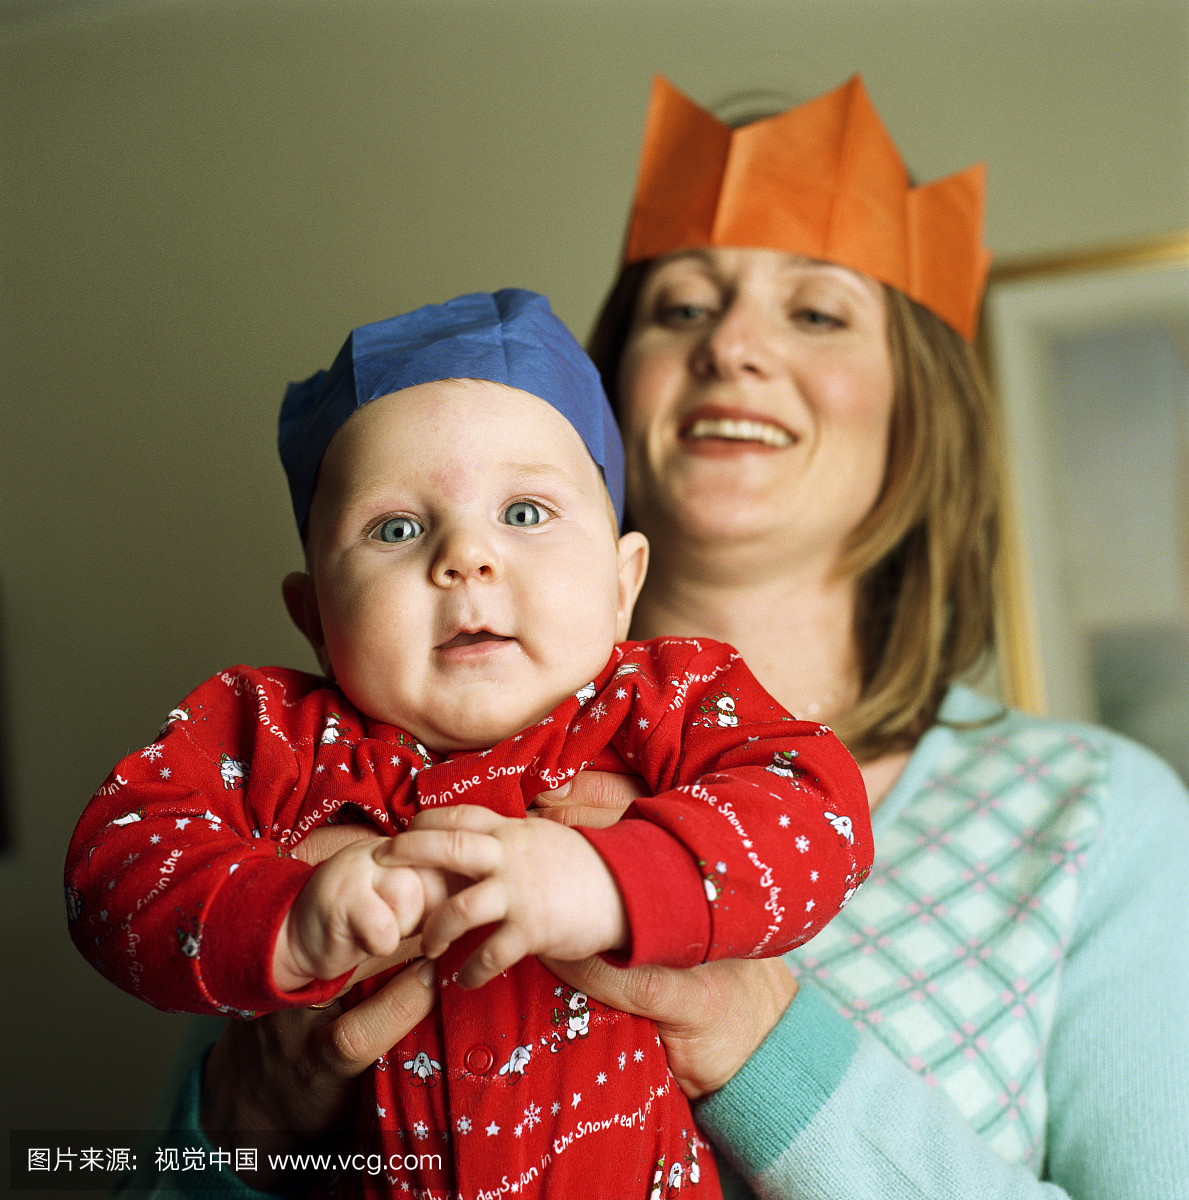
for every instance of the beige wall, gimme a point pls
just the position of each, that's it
(201, 198)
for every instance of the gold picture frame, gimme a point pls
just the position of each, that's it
(1088, 354)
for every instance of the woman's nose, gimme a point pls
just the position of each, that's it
(738, 344)
(464, 555)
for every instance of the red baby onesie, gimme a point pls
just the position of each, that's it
(179, 877)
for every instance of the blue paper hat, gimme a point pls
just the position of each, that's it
(509, 337)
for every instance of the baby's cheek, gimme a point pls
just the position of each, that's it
(591, 629)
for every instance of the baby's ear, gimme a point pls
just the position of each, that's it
(302, 602)
(633, 565)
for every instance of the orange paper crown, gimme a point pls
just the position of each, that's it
(822, 180)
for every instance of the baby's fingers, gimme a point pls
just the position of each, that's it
(459, 816)
(484, 903)
(409, 894)
(459, 851)
(375, 928)
(506, 947)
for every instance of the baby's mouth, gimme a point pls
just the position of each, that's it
(479, 636)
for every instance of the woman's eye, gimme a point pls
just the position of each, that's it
(682, 314)
(396, 530)
(523, 513)
(816, 318)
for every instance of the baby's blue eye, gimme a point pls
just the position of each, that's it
(523, 513)
(396, 530)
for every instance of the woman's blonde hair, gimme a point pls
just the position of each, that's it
(926, 554)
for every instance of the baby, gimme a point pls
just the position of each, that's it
(457, 477)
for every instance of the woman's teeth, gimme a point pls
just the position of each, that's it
(736, 430)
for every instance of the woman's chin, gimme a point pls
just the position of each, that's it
(710, 518)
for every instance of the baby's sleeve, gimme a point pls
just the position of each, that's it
(178, 876)
(758, 830)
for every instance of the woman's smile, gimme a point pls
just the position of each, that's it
(715, 430)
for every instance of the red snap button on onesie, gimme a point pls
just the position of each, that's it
(478, 1060)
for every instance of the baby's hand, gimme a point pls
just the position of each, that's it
(543, 883)
(355, 906)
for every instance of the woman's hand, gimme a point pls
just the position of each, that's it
(288, 1079)
(595, 799)
(292, 1075)
(711, 1018)
(328, 840)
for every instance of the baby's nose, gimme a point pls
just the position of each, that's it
(464, 556)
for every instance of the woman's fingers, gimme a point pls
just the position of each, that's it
(658, 993)
(409, 948)
(326, 840)
(711, 1018)
(594, 799)
(348, 1045)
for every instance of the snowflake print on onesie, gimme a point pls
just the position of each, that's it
(525, 1086)
(523, 1117)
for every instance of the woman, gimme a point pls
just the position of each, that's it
(999, 1012)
